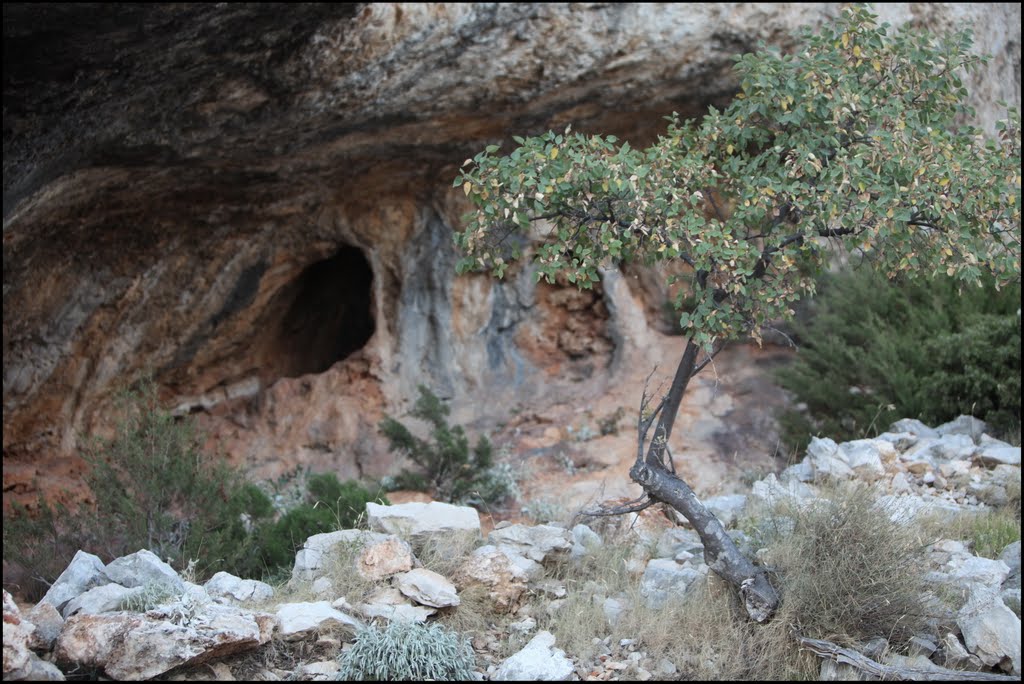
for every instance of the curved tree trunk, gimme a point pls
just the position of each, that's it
(656, 475)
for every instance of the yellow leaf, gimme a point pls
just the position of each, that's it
(856, 50)
(846, 40)
(947, 251)
(728, 149)
(554, 152)
(877, 65)
(944, 182)
(604, 185)
(467, 186)
(890, 213)
(950, 271)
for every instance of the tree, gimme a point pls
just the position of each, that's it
(855, 140)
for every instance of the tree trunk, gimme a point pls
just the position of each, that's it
(660, 484)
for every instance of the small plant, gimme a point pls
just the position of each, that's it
(448, 468)
(149, 596)
(407, 651)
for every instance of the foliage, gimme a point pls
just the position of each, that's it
(853, 139)
(874, 352)
(407, 651)
(448, 467)
(154, 488)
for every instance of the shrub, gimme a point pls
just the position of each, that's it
(848, 572)
(154, 488)
(874, 352)
(330, 505)
(407, 651)
(448, 468)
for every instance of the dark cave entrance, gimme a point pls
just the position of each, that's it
(330, 315)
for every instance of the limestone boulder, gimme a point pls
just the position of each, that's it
(143, 568)
(372, 555)
(415, 521)
(297, 621)
(134, 646)
(493, 569)
(535, 542)
(84, 572)
(427, 588)
(237, 589)
(539, 660)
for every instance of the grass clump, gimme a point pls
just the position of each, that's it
(407, 651)
(875, 351)
(447, 467)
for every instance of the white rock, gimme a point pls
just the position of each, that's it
(391, 604)
(83, 573)
(105, 599)
(727, 508)
(48, 624)
(298, 620)
(143, 568)
(914, 427)
(998, 455)
(828, 460)
(665, 579)
(867, 456)
(585, 540)
(537, 661)
(415, 521)
(373, 555)
(532, 541)
(771, 492)
(135, 646)
(991, 631)
(228, 585)
(428, 588)
(968, 426)
(493, 568)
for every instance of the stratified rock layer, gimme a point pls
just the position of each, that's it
(253, 203)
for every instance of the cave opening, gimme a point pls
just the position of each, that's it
(330, 315)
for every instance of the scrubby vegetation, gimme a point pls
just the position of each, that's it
(447, 467)
(154, 488)
(407, 651)
(873, 351)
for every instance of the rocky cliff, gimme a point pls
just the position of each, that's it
(252, 203)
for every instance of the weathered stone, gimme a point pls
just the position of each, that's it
(372, 555)
(828, 460)
(48, 623)
(226, 584)
(494, 569)
(866, 457)
(991, 630)
(955, 655)
(143, 568)
(770, 491)
(298, 620)
(337, 128)
(427, 588)
(415, 521)
(539, 660)
(584, 541)
(665, 580)
(105, 599)
(914, 427)
(998, 455)
(133, 646)
(727, 508)
(391, 604)
(964, 425)
(84, 572)
(320, 671)
(17, 633)
(532, 541)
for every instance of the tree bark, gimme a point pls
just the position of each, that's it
(660, 484)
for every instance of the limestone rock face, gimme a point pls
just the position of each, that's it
(254, 204)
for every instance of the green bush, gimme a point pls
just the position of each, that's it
(330, 505)
(874, 351)
(448, 468)
(155, 489)
(407, 651)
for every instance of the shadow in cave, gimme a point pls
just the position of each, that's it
(330, 314)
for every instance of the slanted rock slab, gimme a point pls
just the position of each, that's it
(538, 661)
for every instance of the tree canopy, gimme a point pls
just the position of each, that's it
(858, 137)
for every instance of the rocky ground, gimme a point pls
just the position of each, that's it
(136, 618)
